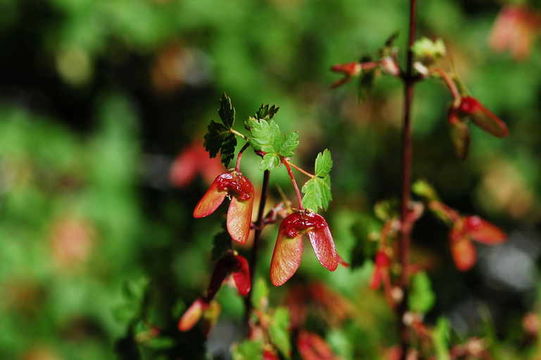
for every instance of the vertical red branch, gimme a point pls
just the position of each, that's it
(407, 151)
(255, 246)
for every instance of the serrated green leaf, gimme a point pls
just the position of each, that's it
(441, 339)
(278, 331)
(289, 143)
(220, 244)
(269, 161)
(227, 150)
(260, 294)
(248, 350)
(220, 139)
(266, 112)
(226, 111)
(317, 193)
(264, 135)
(324, 163)
(421, 297)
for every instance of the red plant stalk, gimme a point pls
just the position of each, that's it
(407, 151)
(259, 225)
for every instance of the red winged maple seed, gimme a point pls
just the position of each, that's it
(287, 254)
(349, 70)
(469, 228)
(239, 214)
(482, 117)
(192, 315)
(483, 231)
(312, 347)
(234, 265)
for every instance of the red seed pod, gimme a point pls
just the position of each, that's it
(312, 347)
(462, 249)
(460, 134)
(288, 250)
(192, 315)
(349, 70)
(482, 117)
(234, 265)
(239, 214)
(483, 231)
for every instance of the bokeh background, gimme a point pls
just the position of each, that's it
(103, 105)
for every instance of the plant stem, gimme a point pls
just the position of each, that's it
(255, 246)
(239, 156)
(301, 170)
(407, 151)
(294, 182)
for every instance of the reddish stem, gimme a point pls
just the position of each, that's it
(449, 83)
(407, 152)
(301, 170)
(255, 246)
(293, 181)
(239, 156)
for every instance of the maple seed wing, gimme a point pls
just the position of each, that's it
(464, 254)
(192, 315)
(212, 199)
(242, 276)
(486, 233)
(323, 245)
(286, 258)
(239, 219)
(489, 122)
(460, 135)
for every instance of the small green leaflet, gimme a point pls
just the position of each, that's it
(441, 339)
(317, 190)
(248, 350)
(266, 112)
(266, 136)
(260, 294)
(278, 331)
(421, 297)
(219, 137)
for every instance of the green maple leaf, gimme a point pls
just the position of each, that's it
(317, 190)
(219, 138)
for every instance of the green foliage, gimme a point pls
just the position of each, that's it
(248, 350)
(421, 297)
(260, 294)
(386, 209)
(219, 137)
(427, 50)
(279, 331)
(441, 337)
(266, 136)
(423, 189)
(317, 190)
(266, 112)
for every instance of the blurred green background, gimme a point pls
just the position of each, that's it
(97, 98)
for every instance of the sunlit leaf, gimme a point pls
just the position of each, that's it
(279, 331)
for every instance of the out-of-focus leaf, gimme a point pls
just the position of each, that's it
(422, 296)
(260, 294)
(441, 339)
(248, 350)
(220, 244)
(279, 331)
